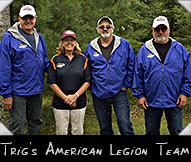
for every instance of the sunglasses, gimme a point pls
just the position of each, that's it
(27, 17)
(103, 27)
(163, 28)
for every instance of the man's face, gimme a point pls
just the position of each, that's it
(27, 23)
(161, 34)
(105, 29)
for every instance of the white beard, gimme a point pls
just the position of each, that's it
(160, 39)
(105, 35)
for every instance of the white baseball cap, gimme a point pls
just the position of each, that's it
(105, 18)
(160, 20)
(27, 10)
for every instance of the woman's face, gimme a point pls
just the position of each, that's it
(69, 44)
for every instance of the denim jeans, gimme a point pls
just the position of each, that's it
(29, 107)
(103, 109)
(153, 120)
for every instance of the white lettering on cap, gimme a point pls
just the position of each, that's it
(69, 32)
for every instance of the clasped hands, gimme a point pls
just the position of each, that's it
(71, 100)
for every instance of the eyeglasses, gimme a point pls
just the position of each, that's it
(103, 27)
(27, 17)
(163, 28)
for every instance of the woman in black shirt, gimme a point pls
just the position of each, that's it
(69, 78)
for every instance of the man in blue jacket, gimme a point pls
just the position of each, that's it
(162, 79)
(23, 60)
(111, 61)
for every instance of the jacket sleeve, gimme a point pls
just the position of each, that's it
(0, 77)
(46, 60)
(5, 66)
(138, 76)
(130, 68)
(186, 81)
(86, 52)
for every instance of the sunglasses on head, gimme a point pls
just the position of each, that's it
(158, 28)
(103, 27)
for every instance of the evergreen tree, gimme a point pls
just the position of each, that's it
(132, 19)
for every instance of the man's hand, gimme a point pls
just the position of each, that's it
(8, 102)
(181, 101)
(143, 102)
(123, 88)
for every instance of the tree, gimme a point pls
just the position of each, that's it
(4, 20)
(132, 19)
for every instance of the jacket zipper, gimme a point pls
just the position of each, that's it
(107, 65)
(108, 76)
(107, 73)
(38, 72)
(162, 84)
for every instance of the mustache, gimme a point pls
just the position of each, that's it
(28, 23)
(161, 34)
(105, 31)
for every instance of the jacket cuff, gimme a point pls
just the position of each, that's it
(140, 96)
(7, 96)
(184, 94)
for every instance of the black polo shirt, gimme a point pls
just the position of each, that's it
(69, 76)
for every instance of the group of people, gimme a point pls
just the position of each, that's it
(160, 77)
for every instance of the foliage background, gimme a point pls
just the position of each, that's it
(132, 20)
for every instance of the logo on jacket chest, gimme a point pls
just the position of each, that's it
(22, 45)
(60, 65)
(95, 54)
(150, 55)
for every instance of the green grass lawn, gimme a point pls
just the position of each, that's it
(91, 126)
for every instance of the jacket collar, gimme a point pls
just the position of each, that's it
(15, 32)
(94, 44)
(149, 45)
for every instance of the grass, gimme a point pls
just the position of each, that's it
(91, 126)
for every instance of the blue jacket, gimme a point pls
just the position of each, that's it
(160, 83)
(22, 68)
(109, 77)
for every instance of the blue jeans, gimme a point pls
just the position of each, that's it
(103, 109)
(29, 107)
(153, 120)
